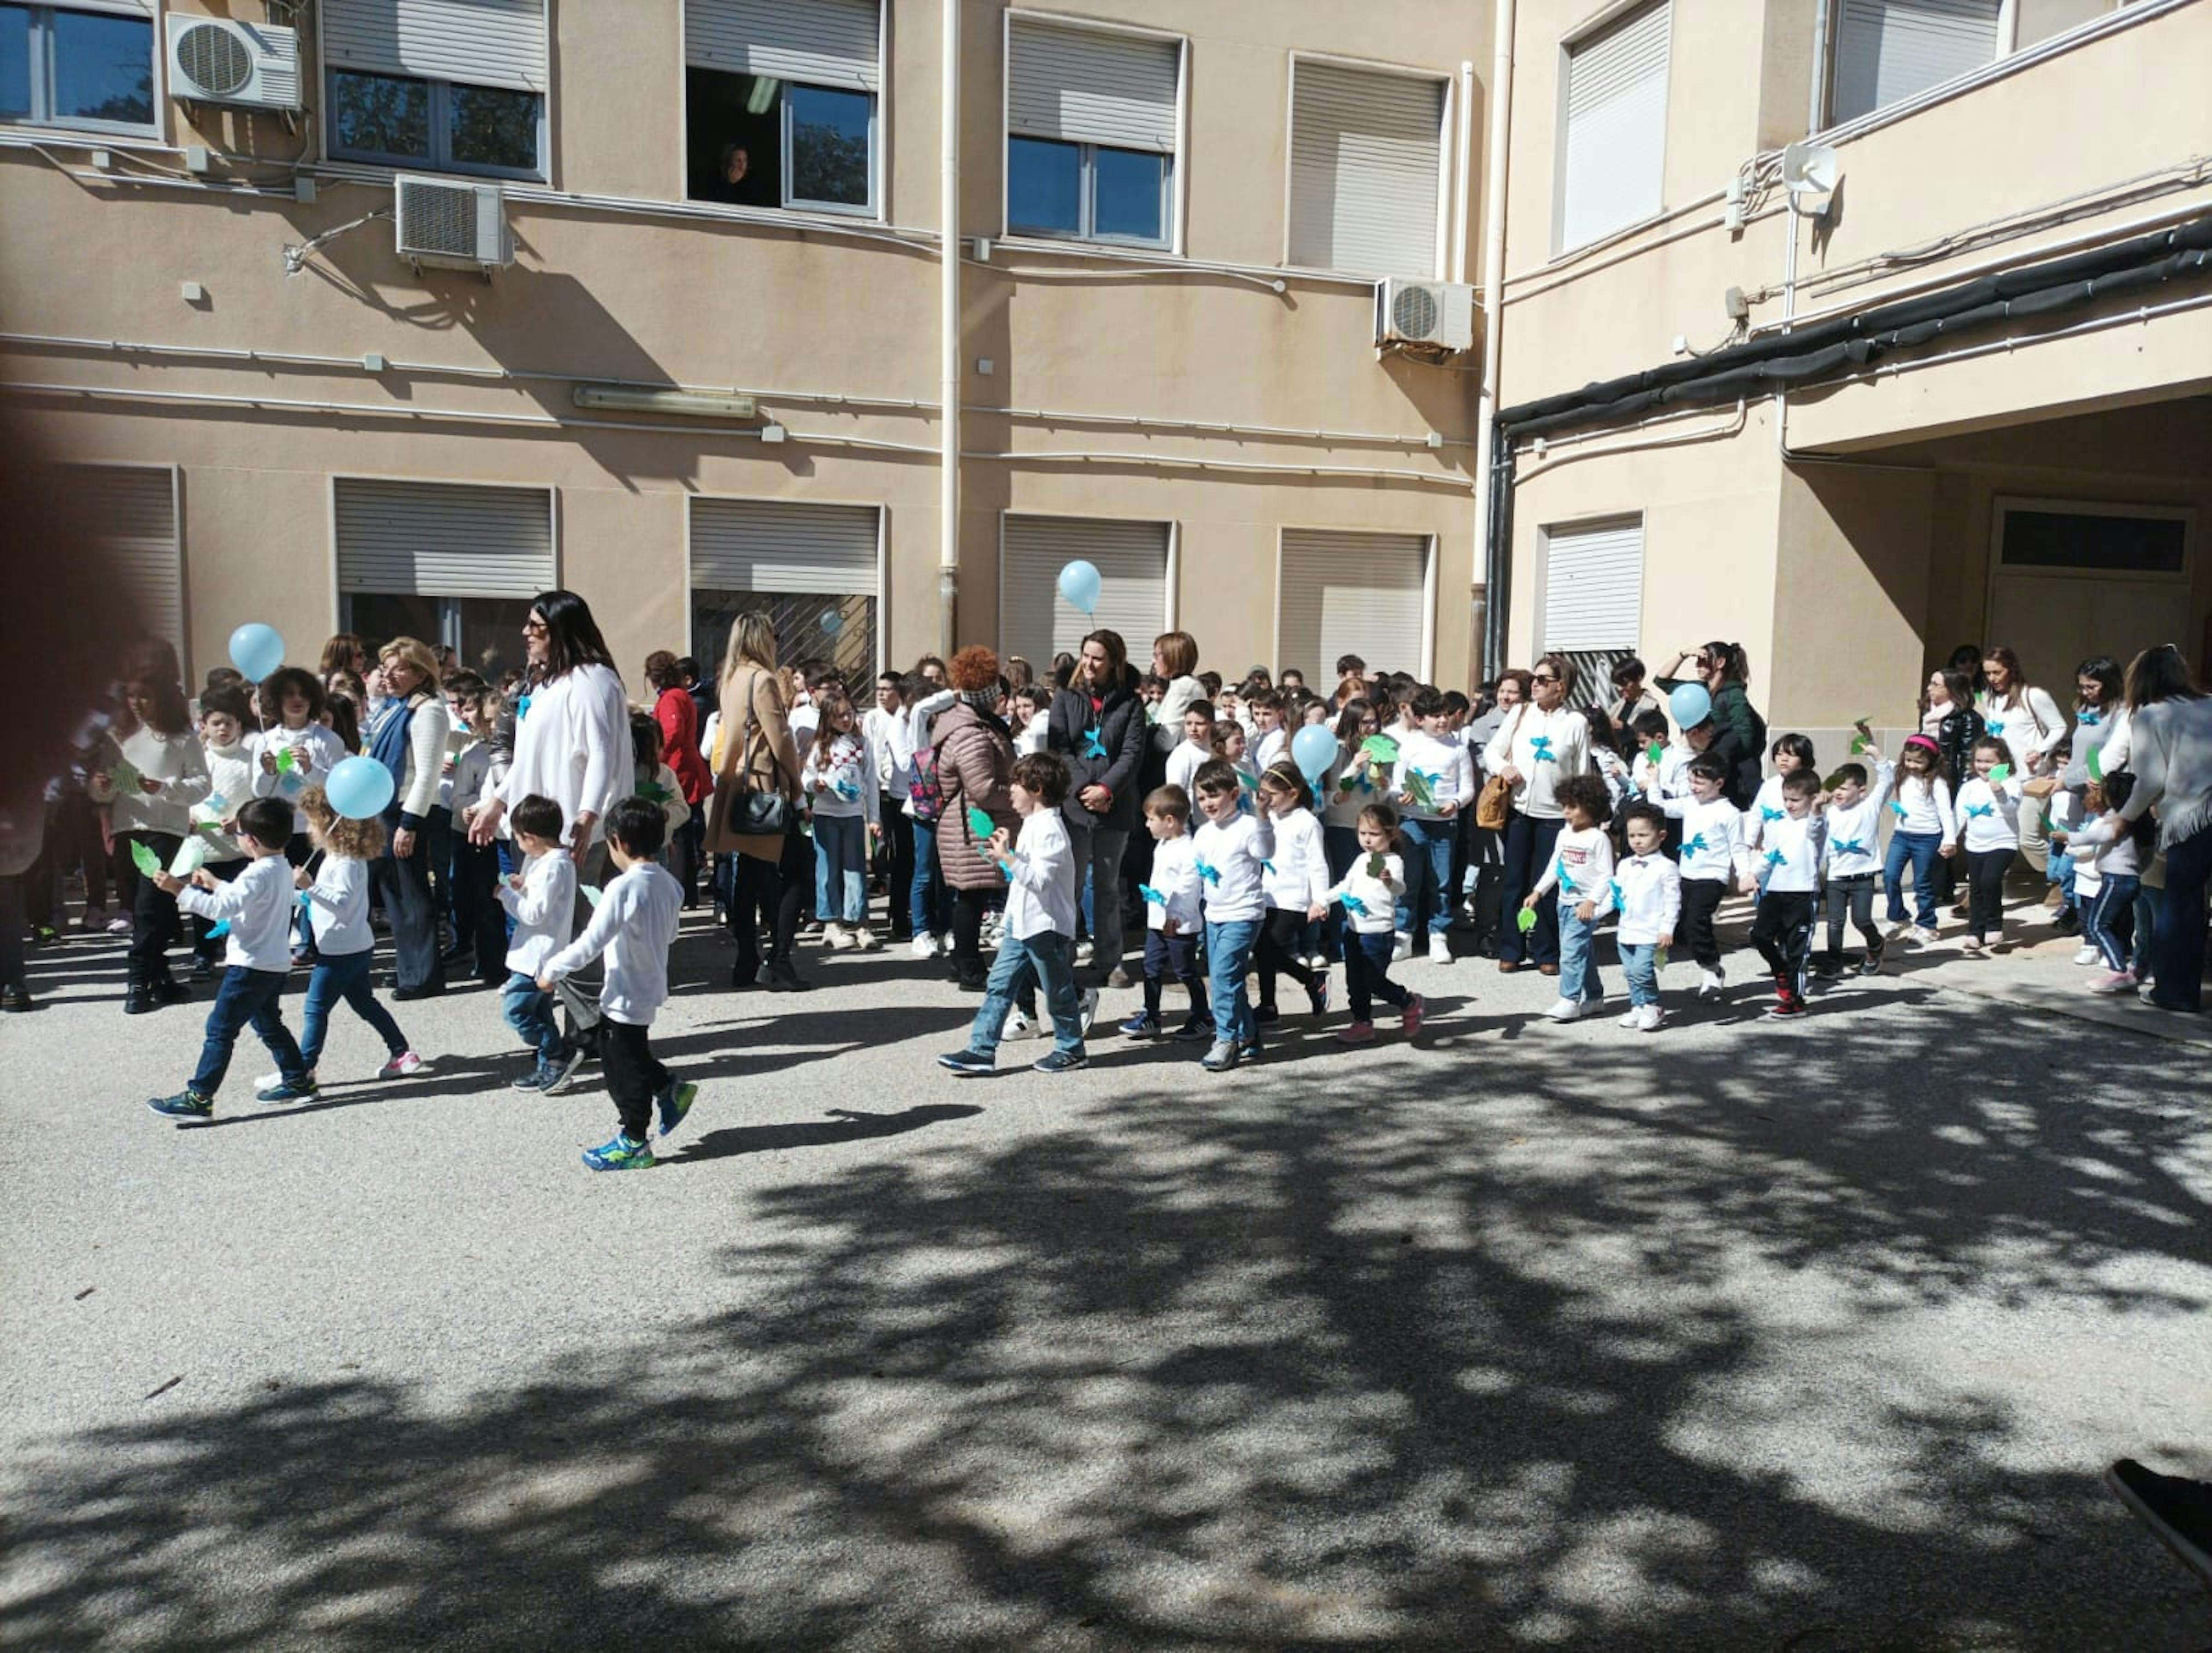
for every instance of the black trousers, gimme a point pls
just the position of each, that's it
(1851, 895)
(1783, 933)
(411, 906)
(479, 921)
(764, 901)
(1178, 956)
(1985, 876)
(155, 923)
(1277, 954)
(635, 1076)
(1701, 899)
(969, 907)
(1528, 851)
(897, 852)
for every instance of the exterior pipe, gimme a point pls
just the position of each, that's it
(1463, 140)
(948, 208)
(1496, 554)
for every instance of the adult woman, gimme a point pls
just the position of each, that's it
(1739, 732)
(975, 767)
(345, 651)
(2170, 725)
(1631, 699)
(771, 871)
(1967, 659)
(2028, 720)
(1097, 724)
(408, 737)
(677, 714)
(1949, 718)
(2101, 739)
(147, 773)
(1175, 657)
(1538, 746)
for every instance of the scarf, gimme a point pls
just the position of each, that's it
(387, 744)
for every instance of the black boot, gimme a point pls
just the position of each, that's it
(138, 997)
(167, 990)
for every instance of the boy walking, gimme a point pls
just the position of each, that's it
(1782, 931)
(1173, 918)
(541, 899)
(1231, 850)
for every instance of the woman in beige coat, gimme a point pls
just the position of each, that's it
(757, 756)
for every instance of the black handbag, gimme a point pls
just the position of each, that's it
(758, 815)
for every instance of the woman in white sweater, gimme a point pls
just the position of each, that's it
(149, 773)
(2028, 720)
(408, 736)
(1540, 745)
(2170, 721)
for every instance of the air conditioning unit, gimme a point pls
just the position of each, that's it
(451, 226)
(249, 65)
(1440, 314)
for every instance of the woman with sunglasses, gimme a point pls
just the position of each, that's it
(1540, 745)
(1739, 733)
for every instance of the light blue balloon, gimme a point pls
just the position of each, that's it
(256, 649)
(1079, 583)
(832, 621)
(1313, 748)
(359, 788)
(1691, 705)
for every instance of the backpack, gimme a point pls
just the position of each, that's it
(925, 796)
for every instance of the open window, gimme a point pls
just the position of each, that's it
(780, 104)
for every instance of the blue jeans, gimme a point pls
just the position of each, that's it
(841, 869)
(247, 998)
(345, 976)
(1640, 961)
(1229, 946)
(2150, 902)
(1367, 972)
(528, 1011)
(929, 905)
(1045, 960)
(1925, 851)
(1428, 873)
(1578, 978)
(2177, 951)
(2112, 906)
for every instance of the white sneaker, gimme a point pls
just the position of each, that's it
(264, 1083)
(1634, 1019)
(1711, 984)
(1925, 937)
(865, 939)
(1017, 1025)
(1565, 1010)
(832, 937)
(925, 945)
(1401, 948)
(1649, 1018)
(400, 1066)
(1090, 1008)
(93, 918)
(1318, 961)
(2087, 955)
(1439, 949)
(119, 927)
(946, 947)
(1082, 954)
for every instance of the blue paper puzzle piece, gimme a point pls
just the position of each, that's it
(1211, 874)
(1094, 744)
(1540, 748)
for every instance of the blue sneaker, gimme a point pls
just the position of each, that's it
(285, 1091)
(675, 1102)
(622, 1153)
(1060, 1062)
(1318, 994)
(185, 1105)
(1220, 1058)
(535, 1077)
(562, 1070)
(967, 1063)
(1249, 1051)
(1143, 1025)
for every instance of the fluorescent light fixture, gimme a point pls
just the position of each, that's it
(696, 403)
(762, 98)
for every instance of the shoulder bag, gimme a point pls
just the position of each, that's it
(757, 814)
(1493, 805)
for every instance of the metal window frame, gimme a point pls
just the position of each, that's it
(1086, 197)
(2002, 505)
(2008, 42)
(39, 67)
(871, 209)
(441, 158)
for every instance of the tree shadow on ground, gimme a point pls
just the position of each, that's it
(1562, 1347)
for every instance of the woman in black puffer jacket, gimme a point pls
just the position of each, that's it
(1097, 723)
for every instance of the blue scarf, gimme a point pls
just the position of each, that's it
(387, 744)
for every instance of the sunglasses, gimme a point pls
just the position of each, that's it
(1543, 677)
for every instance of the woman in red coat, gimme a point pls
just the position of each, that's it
(677, 714)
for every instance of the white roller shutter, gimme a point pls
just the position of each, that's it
(1366, 152)
(775, 545)
(477, 42)
(444, 539)
(1594, 586)
(1346, 593)
(1132, 559)
(1887, 50)
(131, 512)
(1088, 86)
(1610, 165)
(815, 42)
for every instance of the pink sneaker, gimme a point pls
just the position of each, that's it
(400, 1066)
(1359, 1033)
(2116, 981)
(1415, 1008)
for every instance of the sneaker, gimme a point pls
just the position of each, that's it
(562, 1070)
(1416, 1008)
(1141, 1026)
(1974, 948)
(1402, 947)
(45, 936)
(1089, 1012)
(1359, 1033)
(924, 946)
(268, 1082)
(1318, 994)
(2067, 922)
(306, 1090)
(674, 1103)
(1118, 976)
(1249, 1051)
(1871, 965)
(1439, 948)
(1198, 1028)
(1634, 1019)
(1922, 935)
(119, 927)
(535, 1077)
(1081, 957)
(966, 1063)
(620, 1154)
(14, 999)
(185, 1105)
(1060, 1062)
(1828, 970)
(2177, 1509)
(93, 918)
(1649, 1018)
(1266, 1016)
(1711, 984)
(2117, 981)
(1787, 1009)
(2087, 955)
(400, 1066)
(1565, 1010)
(866, 941)
(1219, 1058)
(202, 969)
(946, 947)
(833, 937)
(1016, 1026)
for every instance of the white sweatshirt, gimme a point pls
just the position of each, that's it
(544, 910)
(1712, 839)
(1441, 761)
(885, 733)
(316, 750)
(1298, 872)
(176, 761)
(337, 906)
(1646, 891)
(1581, 866)
(1792, 856)
(1175, 876)
(1041, 878)
(1229, 860)
(1378, 898)
(1182, 764)
(633, 924)
(2029, 730)
(574, 746)
(1272, 747)
(258, 904)
(1921, 806)
(1855, 833)
(1766, 809)
(839, 785)
(1034, 735)
(1546, 747)
(231, 770)
(1988, 816)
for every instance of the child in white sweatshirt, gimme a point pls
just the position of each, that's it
(1989, 837)
(1783, 931)
(838, 777)
(335, 894)
(2115, 850)
(541, 899)
(230, 772)
(1293, 879)
(1232, 848)
(1646, 891)
(1713, 851)
(1581, 869)
(1173, 918)
(1369, 894)
(1925, 829)
(1433, 778)
(1854, 859)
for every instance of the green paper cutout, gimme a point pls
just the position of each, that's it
(1525, 920)
(2096, 762)
(1381, 747)
(1418, 789)
(144, 859)
(1376, 867)
(2000, 773)
(125, 776)
(591, 893)
(1859, 743)
(1656, 750)
(288, 760)
(980, 825)
(1249, 782)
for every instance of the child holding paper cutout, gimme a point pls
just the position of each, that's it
(1369, 894)
(1989, 827)
(1646, 891)
(1172, 918)
(1293, 878)
(1581, 869)
(224, 744)
(150, 773)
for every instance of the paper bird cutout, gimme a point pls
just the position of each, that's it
(1768, 812)
(1353, 903)
(221, 928)
(1694, 845)
(1981, 810)
(1619, 899)
(1211, 874)
(591, 893)
(980, 825)
(1146, 892)
(1567, 884)
(846, 790)
(2000, 773)
(521, 707)
(1847, 846)
(1421, 787)
(144, 859)
(1898, 804)
(1269, 865)
(1775, 857)
(1094, 744)
(1540, 748)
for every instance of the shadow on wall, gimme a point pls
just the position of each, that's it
(1393, 1371)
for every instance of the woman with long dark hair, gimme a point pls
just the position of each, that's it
(1097, 723)
(771, 870)
(1739, 732)
(408, 737)
(2170, 725)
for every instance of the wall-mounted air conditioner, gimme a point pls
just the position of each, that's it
(450, 224)
(1438, 314)
(248, 65)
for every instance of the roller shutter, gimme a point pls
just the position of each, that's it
(1088, 86)
(131, 513)
(774, 545)
(1347, 593)
(444, 539)
(1610, 172)
(1366, 152)
(1132, 559)
(1594, 586)
(815, 42)
(475, 42)
(1887, 50)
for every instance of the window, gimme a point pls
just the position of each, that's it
(781, 103)
(1594, 599)
(1610, 172)
(1092, 118)
(1349, 593)
(1132, 559)
(811, 569)
(1366, 166)
(65, 68)
(485, 633)
(1887, 50)
(446, 562)
(449, 86)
